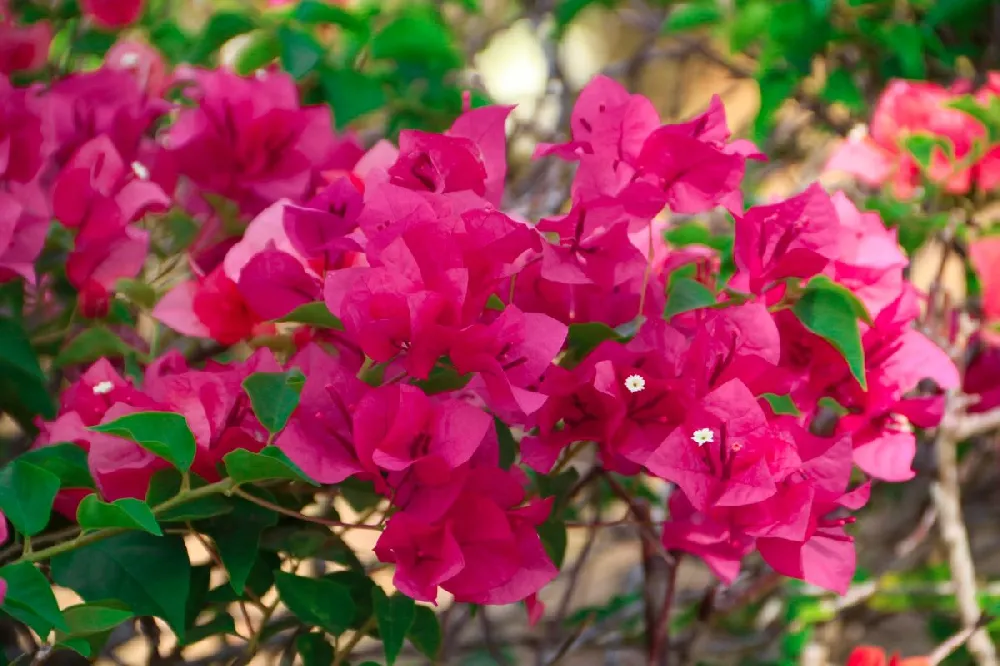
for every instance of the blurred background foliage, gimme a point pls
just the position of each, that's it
(795, 76)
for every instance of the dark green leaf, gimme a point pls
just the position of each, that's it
(243, 466)
(150, 575)
(128, 513)
(318, 11)
(831, 315)
(316, 601)
(300, 52)
(66, 461)
(26, 495)
(419, 37)
(313, 314)
(841, 88)
(691, 15)
(259, 50)
(305, 541)
(776, 86)
(905, 41)
(685, 295)
(860, 311)
(221, 623)
(85, 619)
(395, 615)
(749, 24)
(30, 599)
(166, 483)
(237, 537)
(508, 447)
(554, 538)
(164, 434)
(781, 404)
(425, 632)
(23, 390)
(274, 396)
(314, 650)
(90, 345)
(360, 587)
(221, 27)
(351, 94)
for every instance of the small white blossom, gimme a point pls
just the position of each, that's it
(130, 59)
(103, 387)
(703, 436)
(635, 383)
(140, 170)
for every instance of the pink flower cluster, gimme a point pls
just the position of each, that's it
(965, 158)
(466, 316)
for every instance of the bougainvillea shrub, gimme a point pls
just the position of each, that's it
(229, 320)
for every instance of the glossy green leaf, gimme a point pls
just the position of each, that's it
(150, 575)
(832, 316)
(316, 601)
(26, 495)
(300, 52)
(85, 619)
(221, 27)
(425, 632)
(164, 434)
(321, 12)
(30, 599)
(906, 42)
(244, 466)
(691, 15)
(508, 446)
(351, 94)
(555, 539)
(313, 314)
(237, 537)
(23, 389)
(859, 308)
(685, 295)
(67, 461)
(260, 49)
(92, 344)
(274, 396)
(781, 404)
(395, 616)
(127, 513)
(314, 650)
(416, 36)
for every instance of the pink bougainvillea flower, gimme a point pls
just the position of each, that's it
(879, 155)
(870, 262)
(510, 354)
(141, 60)
(273, 283)
(398, 428)
(22, 233)
(106, 259)
(321, 229)
(248, 139)
(112, 14)
(796, 237)
(873, 656)
(485, 127)
(208, 307)
(985, 257)
(482, 547)
(23, 133)
(23, 48)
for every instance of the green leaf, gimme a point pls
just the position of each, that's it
(691, 15)
(351, 94)
(26, 495)
(261, 48)
(86, 619)
(164, 434)
(923, 147)
(316, 601)
(30, 599)
(237, 536)
(313, 314)
(67, 461)
(23, 390)
(90, 345)
(425, 632)
(221, 27)
(320, 12)
(841, 88)
(306, 541)
(300, 52)
(128, 513)
(395, 615)
(274, 396)
(417, 36)
(150, 575)
(749, 24)
(860, 311)
(166, 483)
(776, 86)
(685, 295)
(220, 623)
(781, 404)
(314, 650)
(508, 447)
(832, 316)
(244, 466)
(554, 538)
(988, 116)
(906, 43)
(139, 293)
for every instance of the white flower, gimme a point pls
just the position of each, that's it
(140, 170)
(635, 383)
(103, 387)
(703, 436)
